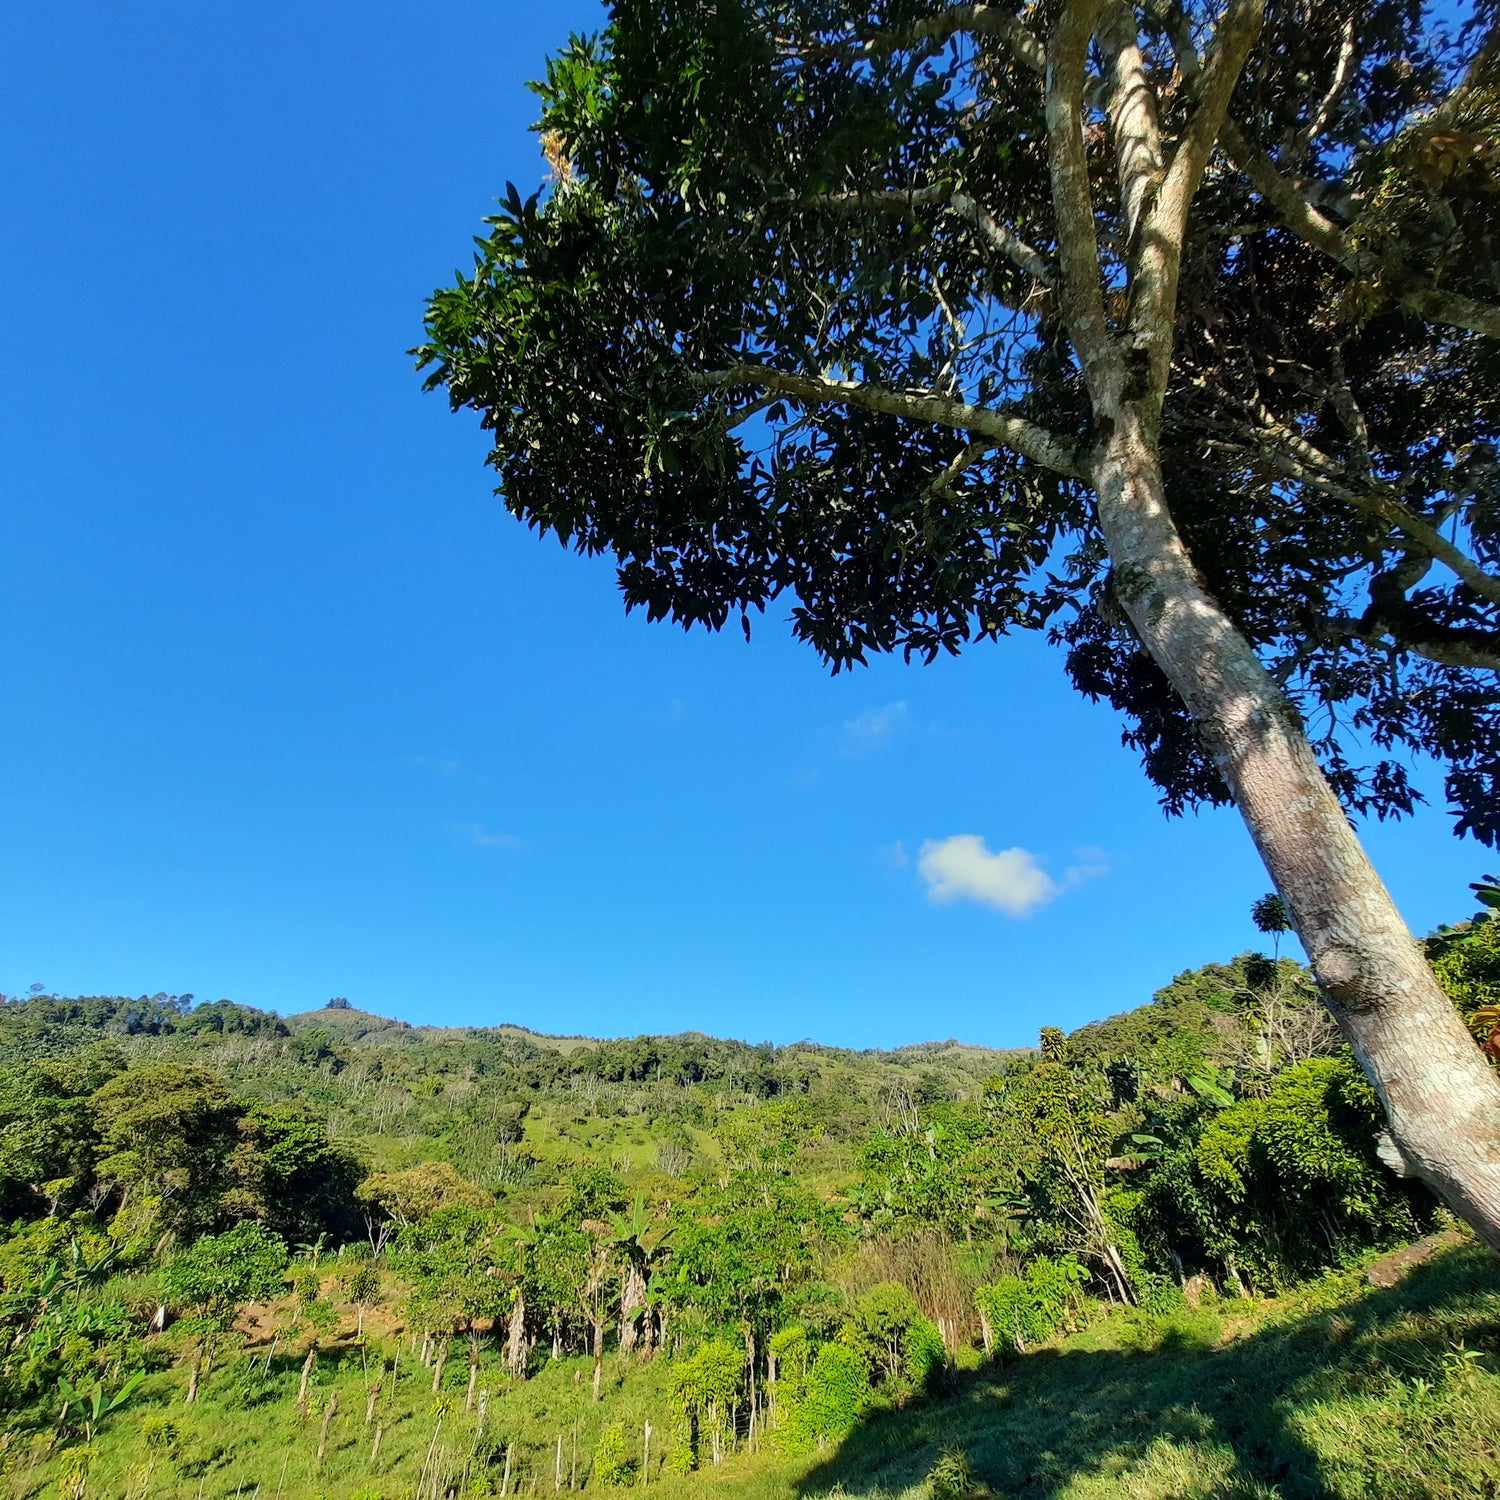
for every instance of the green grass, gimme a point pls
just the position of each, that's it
(1338, 1389)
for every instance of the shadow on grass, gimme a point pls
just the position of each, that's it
(1360, 1392)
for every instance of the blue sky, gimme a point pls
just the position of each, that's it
(293, 709)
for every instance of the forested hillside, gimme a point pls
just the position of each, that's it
(336, 1254)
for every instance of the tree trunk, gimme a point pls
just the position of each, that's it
(473, 1371)
(1441, 1099)
(307, 1369)
(598, 1357)
(515, 1339)
(328, 1416)
(437, 1368)
(632, 1300)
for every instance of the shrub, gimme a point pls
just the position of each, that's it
(681, 1458)
(612, 1465)
(901, 1349)
(1025, 1310)
(831, 1398)
(791, 1348)
(216, 1273)
(159, 1432)
(926, 1354)
(952, 1476)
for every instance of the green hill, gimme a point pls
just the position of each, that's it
(1128, 1262)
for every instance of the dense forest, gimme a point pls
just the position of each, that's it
(733, 1249)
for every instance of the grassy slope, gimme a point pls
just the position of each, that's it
(1338, 1389)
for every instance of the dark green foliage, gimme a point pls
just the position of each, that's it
(1288, 1175)
(604, 331)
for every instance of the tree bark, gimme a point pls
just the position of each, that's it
(515, 1340)
(307, 1369)
(632, 1301)
(598, 1341)
(1441, 1099)
(329, 1412)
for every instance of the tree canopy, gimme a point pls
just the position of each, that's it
(789, 321)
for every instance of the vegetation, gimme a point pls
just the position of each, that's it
(440, 1261)
(1167, 328)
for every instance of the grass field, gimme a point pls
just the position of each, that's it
(1339, 1389)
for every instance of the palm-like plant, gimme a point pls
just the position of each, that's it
(642, 1240)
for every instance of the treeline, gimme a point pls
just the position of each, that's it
(802, 1233)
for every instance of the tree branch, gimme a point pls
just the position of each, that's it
(1315, 228)
(896, 200)
(959, 20)
(1299, 459)
(1082, 294)
(1319, 119)
(1296, 212)
(980, 20)
(1448, 648)
(1132, 114)
(1004, 430)
(1154, 284)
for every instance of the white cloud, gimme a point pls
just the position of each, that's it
(486, 838)
(1092, 863)
(961, 868)
(874, 728)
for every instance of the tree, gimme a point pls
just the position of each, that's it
(410, 1195)
(286, 1172)
(449, 1261)
(1059, 1135)
(48, 1136)
(213, 1277)
(642, 1241)
(167, 1129)
(891, 308)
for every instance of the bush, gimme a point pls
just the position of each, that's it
(901, 1348)
(217, 1273)
(926, 1354)
(952, 1476)
(612, 1464)
(681, 1459)
(1023, 1311)
(791, 1348)
(159, 1432)
(830, 1399)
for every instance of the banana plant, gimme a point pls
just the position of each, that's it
(96, 1403)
